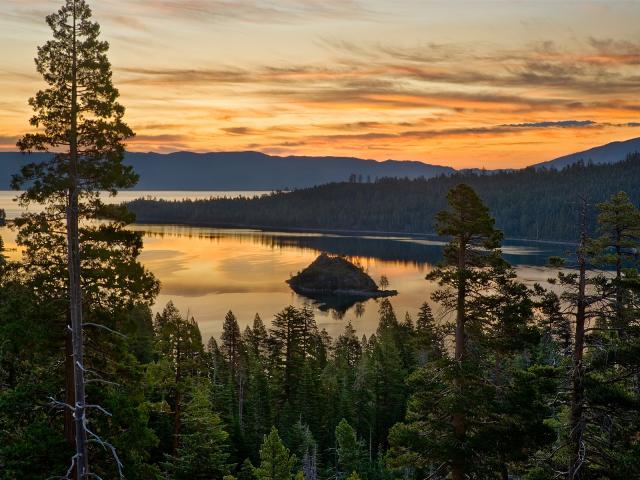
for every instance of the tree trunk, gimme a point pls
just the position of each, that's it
(577, 374)
(458, 420)
(619, 300)
(75, 293)
(177, 420)
(240, 399)
(69, 431)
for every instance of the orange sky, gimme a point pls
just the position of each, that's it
(468, 84)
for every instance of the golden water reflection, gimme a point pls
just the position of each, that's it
(208, 271)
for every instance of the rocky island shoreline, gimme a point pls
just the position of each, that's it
(335, 276)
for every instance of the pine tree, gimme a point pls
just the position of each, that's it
(257, 337)
(461, 414)
(295, 341)
(384, 391)
(579, 299)
(3, 259)
(619, 229)
(232, 349)
(613, 378)
(32, 444)
(231, 346)
(180, 342)
(77, 116)
(473, 246)
(603, 414)
(348, 349)
(246, 471)
(305, 448)
(275, 461)
(258, 404)
(429, 338)
(202, 451)
(387, 317)
(349, 450)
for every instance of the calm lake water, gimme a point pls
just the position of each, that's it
(209, 271)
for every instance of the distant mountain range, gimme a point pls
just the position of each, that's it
(610, 153)
(244, 170)
(258, 171)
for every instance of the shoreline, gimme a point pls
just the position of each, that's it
(336, 231)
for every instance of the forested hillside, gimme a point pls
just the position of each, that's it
(530, 203)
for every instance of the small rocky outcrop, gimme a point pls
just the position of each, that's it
(330, 275)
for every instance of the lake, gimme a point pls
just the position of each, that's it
(209, 271)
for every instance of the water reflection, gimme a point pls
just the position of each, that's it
(245, 270)
(403, 250)
(210, 271)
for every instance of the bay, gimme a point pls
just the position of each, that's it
(208, 271)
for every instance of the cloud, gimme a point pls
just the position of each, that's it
(159, 76)
(33, 14)
(8, 141)
(128, 21)
(161, 142)
(257, 11)
(390, 76)
(612, 50)
(466, 131)
(554, 124)
(156, 126)
(240, 130)
(160, 138)
(542, 64)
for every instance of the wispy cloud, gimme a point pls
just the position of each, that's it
(256, 11)
(465, 132)
(611, 50)
(555, 124)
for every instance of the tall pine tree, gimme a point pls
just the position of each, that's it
(78, 117)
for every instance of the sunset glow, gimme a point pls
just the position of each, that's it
(502, 84)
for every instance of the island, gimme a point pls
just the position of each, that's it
(335, 282)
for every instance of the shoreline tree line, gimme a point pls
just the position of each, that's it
(532, 204)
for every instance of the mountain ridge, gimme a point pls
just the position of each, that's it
(612, 152)
(252, 170)
(247, 170)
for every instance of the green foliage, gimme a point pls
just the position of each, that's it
(429, 337)
(475, 408)
(275, 461)
(246, 471)
(111, 275)
(349, 449)
(203, 450)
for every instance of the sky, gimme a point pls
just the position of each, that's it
(499, 84)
